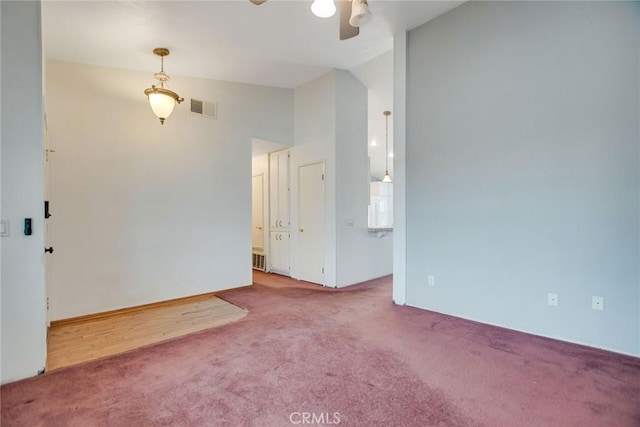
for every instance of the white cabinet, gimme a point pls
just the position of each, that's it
(279, 252)
(278, 258)
(279, 190)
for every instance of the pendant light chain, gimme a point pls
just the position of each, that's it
(162, 70)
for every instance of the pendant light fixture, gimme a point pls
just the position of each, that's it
(161, 99)
(387, 177)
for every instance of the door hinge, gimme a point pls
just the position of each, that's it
(323, 177)
(322, 270)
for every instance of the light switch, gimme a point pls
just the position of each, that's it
(4, 228)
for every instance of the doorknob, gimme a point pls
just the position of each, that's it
(50, 250)
(259, 228)
(302, 230)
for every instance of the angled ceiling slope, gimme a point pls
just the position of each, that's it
(280, 43)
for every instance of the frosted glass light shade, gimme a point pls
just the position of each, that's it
(387, 177)
(162, 101)
(359, 13)
(323, 8)
(162, 105)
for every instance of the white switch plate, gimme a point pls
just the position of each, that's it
(597, 303)
(552, 299)
(4, 228)
(431, 280)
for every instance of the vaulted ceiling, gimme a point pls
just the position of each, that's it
(280, 43)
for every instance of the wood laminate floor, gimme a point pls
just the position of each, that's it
(72, 342)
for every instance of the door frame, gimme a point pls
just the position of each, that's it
(265, 215)
(46, 187)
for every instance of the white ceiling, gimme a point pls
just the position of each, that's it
(280, 43)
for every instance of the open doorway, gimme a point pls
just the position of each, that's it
(377, 75)
(270, 207)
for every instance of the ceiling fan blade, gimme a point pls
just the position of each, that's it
(257, 2)
(346, 30)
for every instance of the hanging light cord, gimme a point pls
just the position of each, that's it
(386, 137)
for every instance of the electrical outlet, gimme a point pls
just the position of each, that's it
(431, 280)
(552, 299)
(597, 303)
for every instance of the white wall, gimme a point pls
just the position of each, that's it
(377, 76)
(331, 126)
(523, 170)
(360, 255)
(314, 141)
(23, 293)
(399, 177)
(144, 212)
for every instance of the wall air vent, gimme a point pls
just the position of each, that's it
(202, 108)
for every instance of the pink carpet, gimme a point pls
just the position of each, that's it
(306, 355)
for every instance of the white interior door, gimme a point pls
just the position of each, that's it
(311, 228)
(257, 212)
(283, 185)
(279, 189)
